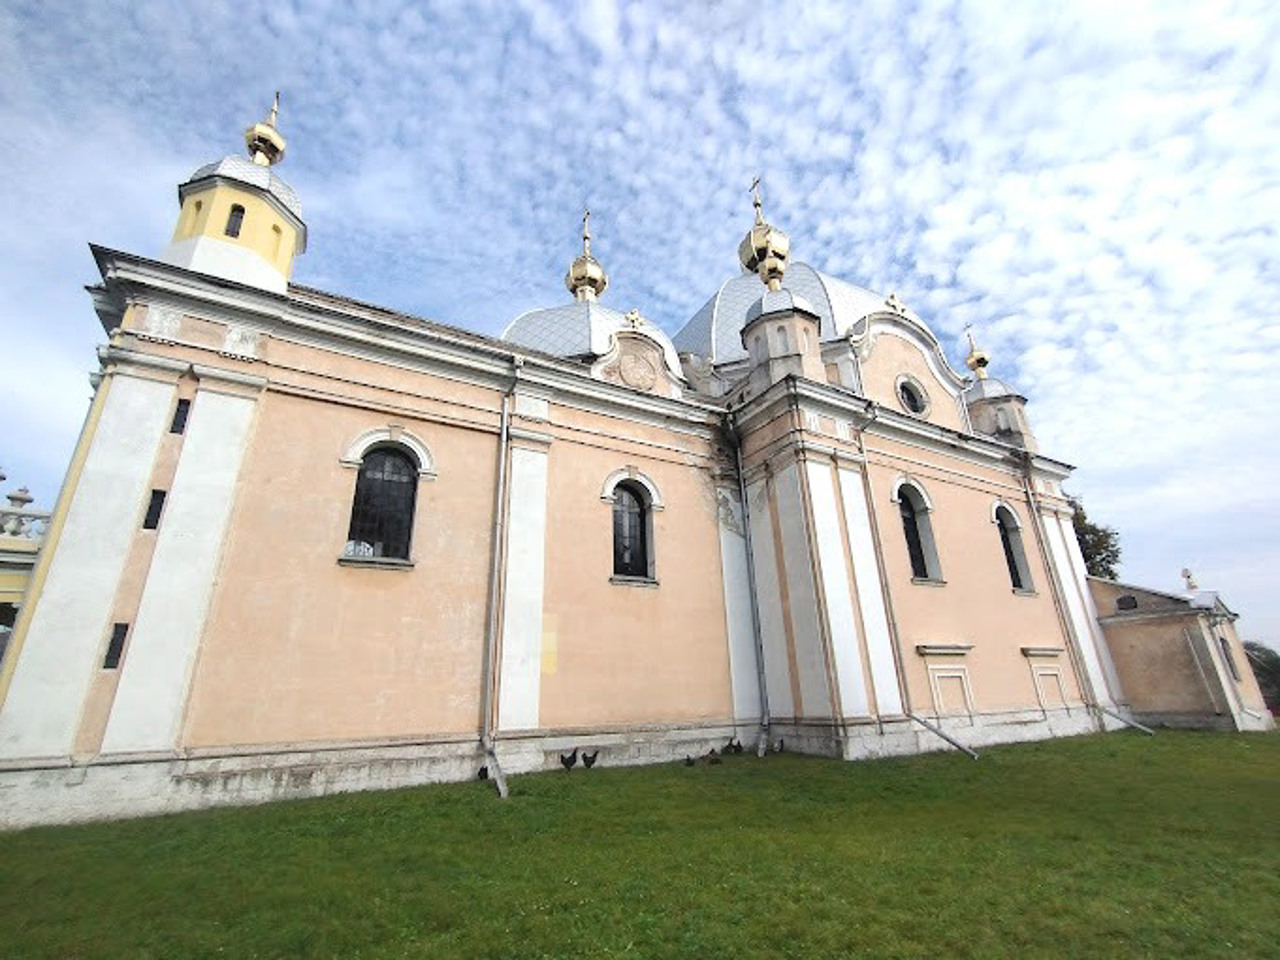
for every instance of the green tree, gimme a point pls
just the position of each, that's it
(1100, 545)
(1266, 667)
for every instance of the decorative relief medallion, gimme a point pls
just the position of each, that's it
(161, 323)
(638, 372)
(240, 342)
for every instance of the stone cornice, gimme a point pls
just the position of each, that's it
(330, 322)
(877, 420)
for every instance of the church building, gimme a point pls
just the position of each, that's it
(307, 544)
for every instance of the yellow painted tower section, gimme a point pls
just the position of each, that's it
(206, 213)
(237, 219)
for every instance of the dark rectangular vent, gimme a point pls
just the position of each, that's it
(180, 416)
(116, 647)
(153, 510)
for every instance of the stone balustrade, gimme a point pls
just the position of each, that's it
(21, 523)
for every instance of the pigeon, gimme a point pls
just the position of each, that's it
(568, 760)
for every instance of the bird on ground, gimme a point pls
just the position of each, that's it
(735, 746)
(568, 760)
(713, 757)
(589, 759)
(484, 773)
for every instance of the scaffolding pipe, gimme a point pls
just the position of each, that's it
(945, 736)
(1126, 721)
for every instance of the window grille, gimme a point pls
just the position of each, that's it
(1006, 541)
(630, 533)
(911, 529)
(1015, 557)
(382, 512)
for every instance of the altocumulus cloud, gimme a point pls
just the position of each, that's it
(1091, 186)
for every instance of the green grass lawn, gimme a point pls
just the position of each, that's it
(1099, 847)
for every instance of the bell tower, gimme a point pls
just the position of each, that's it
(238, 220)
(782, 330)
(994, 408)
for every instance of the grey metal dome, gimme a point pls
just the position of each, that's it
(715, 330)
(582, 328)
(246, 171)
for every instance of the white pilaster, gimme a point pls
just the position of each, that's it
(521, 673)
(773, 636)
(743, 670)
(1067, 560)
(834, 571)
(64, 644)
(875, 621)
(156, 671)
(802, 594)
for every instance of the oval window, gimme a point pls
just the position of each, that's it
(911, 396)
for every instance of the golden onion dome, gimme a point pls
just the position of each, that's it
(765, 248)
(977, 359)
(264, 142)
(586, 278)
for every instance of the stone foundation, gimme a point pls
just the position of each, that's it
(105, 790)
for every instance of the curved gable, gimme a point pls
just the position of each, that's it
(895, 348)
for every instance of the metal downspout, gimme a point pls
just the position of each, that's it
(495, 577)
(762, 743)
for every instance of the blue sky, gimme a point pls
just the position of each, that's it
(1093, 186)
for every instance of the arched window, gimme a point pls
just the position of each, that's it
(382, 511)
(630, 531)
(1011, 541)
(784, 345)
(1231, 661)
(235, 220)
(918, 531)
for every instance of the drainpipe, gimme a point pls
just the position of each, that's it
(762, 743)
(495, 576)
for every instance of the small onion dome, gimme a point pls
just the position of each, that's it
(586, 278)
(264, 142)
(977, 359)
(765, 248)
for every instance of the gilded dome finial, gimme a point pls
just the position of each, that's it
(765, 248)
(264, 141)
(586, 278)
(977, 359)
